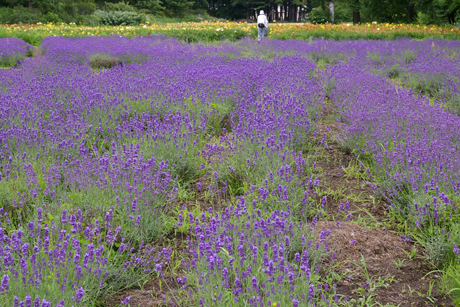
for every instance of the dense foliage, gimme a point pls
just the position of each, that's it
(316, 11)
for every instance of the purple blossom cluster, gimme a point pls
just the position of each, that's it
(78, 50)
(246, 255)
(54, 260)
(12, 50)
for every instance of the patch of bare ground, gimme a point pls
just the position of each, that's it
(343, 179)
(375, 263)
(379, 267)
(155, 293)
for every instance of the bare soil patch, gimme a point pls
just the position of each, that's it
(339, 185)
(152, 294)
(406, 284)
(373, 244)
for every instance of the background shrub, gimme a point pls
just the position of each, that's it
(119, 18)
(19, 14)
(318, 15)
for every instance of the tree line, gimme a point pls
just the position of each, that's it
(316, 11)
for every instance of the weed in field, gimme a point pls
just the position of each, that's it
(99, 61)
(394, 71)
(399, 263)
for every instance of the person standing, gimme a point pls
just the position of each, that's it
(262, 25)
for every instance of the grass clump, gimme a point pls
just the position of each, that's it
(103, 61)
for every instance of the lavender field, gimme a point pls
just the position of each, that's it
(152, 172)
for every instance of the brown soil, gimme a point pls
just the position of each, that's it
(373, 244)
(153, 293)
(338, 187)
(336, 184)
(379, 249)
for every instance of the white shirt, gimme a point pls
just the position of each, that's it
(262, 19)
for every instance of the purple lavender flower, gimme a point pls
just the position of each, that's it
(64, 216)
(5, 284)
(79, 295)
(255, 285)
(126, 300)
(456, 250)
(28, 300)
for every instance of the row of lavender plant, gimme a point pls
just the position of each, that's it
(13, 50)
(430, 67)
(412, 146)
(93, 164)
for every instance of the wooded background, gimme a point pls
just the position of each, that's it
(316, 11)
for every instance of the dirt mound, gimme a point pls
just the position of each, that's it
(373, 244)
(152, 294)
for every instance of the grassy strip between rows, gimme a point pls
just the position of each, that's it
(217, 31)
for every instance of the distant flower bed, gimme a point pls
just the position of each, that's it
(216, 31)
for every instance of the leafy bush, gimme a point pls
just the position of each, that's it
(342, 14)
(318, 15)
(427, 19)
(86, 7)
(119, 18)
(52, 17)
(438, 250)
(19, 14)
(100, 61)
(150, 7)
(119, 7)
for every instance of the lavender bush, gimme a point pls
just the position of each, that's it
(239, 257)
(13, 50)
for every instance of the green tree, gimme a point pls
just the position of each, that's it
(154, 7)
(177, 7)
(438, 11)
